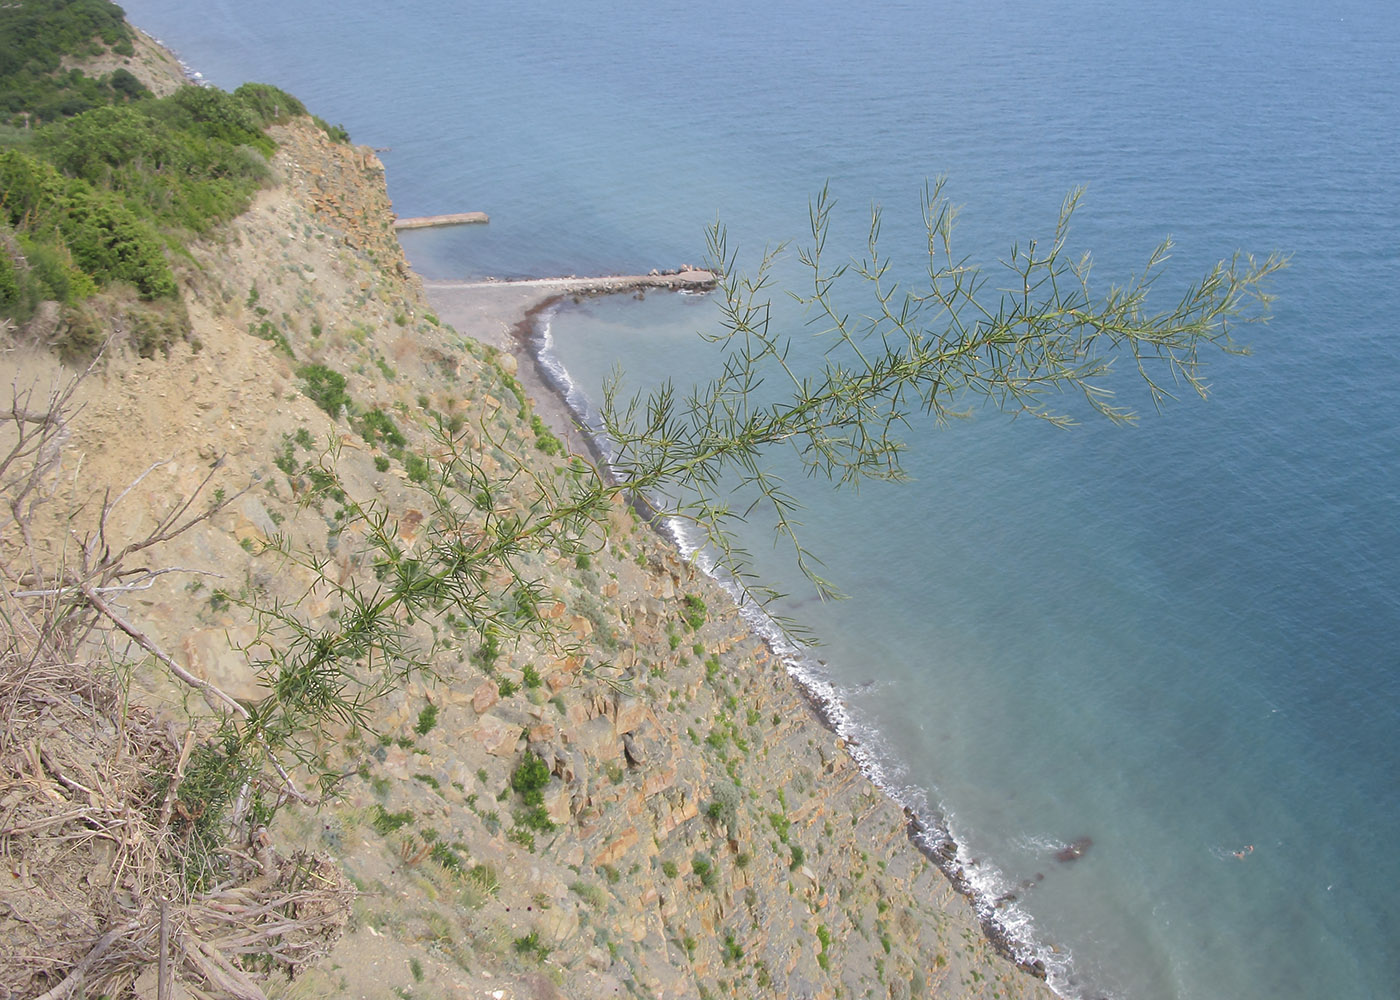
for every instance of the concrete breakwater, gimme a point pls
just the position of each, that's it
(452, 219)
(684, 278)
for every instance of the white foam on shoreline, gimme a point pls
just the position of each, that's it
(1011, 924)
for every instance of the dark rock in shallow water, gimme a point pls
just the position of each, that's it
(1035, 967)
(1075, 849)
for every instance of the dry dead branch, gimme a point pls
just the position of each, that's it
(94, 833)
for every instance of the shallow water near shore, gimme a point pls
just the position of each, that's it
(1179, 639)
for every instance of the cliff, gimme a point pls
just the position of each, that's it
(702, 833)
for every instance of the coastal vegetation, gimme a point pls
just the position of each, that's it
(101, 183)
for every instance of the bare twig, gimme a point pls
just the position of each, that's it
(148, 578)
(171, 792)
(169, 526)
(163, 965)
(74, 979)
(213, 694)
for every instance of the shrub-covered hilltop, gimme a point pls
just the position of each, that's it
(104, 184)
(326, 669)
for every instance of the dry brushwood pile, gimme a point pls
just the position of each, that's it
(108, 869)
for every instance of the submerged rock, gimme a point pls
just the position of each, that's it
(1075, 849)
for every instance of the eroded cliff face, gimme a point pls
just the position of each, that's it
(709, 836)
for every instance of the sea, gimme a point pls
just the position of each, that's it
(1178, 639)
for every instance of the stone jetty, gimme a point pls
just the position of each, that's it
(433, 221)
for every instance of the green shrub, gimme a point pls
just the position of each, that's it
(9, 281)
(386, 823)
(378, 428)
(417, 468)
(336, 133)
(733, 951)
(30, 189)
(706, 869)
(266, 331)
(270, 105)
(111, 244)
(216, 773)
(126, 86)
(217, 114)
(530, 779)
(427, 719)
(447, 857)
(88, 230)
(490, 649)
(53, 273)
(545, 440)
(325, 388)
(695, 611)
(535, 818)
(531, 944)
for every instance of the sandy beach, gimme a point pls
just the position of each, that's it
(500, 313)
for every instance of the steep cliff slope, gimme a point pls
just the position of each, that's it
(596, 783)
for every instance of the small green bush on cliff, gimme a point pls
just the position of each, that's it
(530, 779)
(336, 133)
(324, 387)
(272, 105)
(378, 428)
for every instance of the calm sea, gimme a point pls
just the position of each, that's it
(1179, 639)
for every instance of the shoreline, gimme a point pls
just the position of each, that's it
(928, 836)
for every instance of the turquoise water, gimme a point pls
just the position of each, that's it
(1177, 639)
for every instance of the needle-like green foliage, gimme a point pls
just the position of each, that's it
(1015, 336)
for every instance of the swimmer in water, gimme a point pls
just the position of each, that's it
(1248, 849)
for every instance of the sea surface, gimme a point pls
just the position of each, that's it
(1180, 639)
